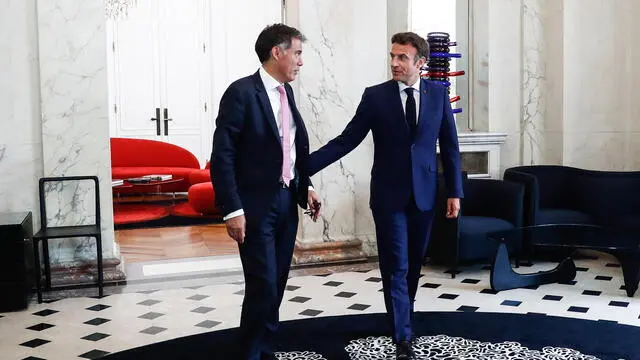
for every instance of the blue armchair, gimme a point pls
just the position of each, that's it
(551, 196)
(557, 194)
(489, 205)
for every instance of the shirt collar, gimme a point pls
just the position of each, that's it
(269, 82)
(403, 86)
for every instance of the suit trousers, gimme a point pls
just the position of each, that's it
(266, 258)
(402, 238)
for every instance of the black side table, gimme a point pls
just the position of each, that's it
(16, 260)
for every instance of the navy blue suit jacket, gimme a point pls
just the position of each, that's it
(246, 161)
(401, 165)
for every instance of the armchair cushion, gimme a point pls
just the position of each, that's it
(493, 199)
(562, 216)
(489, 205)
(473, 243)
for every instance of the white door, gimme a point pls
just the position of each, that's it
(185, 73)
(135, 93)
(161, 73)
(234, 30)
(176, 58)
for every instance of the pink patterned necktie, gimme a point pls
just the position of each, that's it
(286, 136)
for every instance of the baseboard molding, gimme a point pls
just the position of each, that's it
(328, 252)
(75, 273)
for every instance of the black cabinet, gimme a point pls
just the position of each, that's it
(16, 260)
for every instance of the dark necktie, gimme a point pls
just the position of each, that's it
(410, 111)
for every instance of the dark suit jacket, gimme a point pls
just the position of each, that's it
(246, 161)
(401, 165)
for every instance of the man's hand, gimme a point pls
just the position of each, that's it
(236, 228)
(453, 208)
(314, 205)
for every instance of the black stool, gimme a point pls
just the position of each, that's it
(62, 232)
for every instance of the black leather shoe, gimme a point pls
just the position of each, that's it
(404, 351)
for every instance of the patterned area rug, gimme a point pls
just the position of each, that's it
(440, 335)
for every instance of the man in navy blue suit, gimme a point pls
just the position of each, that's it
(259, 170)
(407, 117)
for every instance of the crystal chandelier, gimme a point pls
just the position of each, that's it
(118, 9)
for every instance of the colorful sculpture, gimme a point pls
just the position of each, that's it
(437, 68)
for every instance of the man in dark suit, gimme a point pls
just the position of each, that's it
(407, 116)
(259, 171)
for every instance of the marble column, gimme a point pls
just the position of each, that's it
(478, 60)
(553, 25)
(533, 82)
(346, 51)
(75, 131)
(20, 129)
(599, 74)
(504, 102)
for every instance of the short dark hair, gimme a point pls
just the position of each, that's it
(414, 40)
(276, 35)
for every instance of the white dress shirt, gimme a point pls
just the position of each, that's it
(271, 87)
(416, 96)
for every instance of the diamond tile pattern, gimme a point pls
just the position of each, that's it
(468, 308)
(345, 294)
(208, 324)
(40, 327)
(45, 312)
(359, 307)
(35, 343)
(202, 310)
(448, 296)
(311, 312)
(430, 285)
(93, 354)
(149, 302)
(511, 303)
(153, 330)
(46, 331)
(300, 299)
(592, 292)
(150, 315)
(97, 321)
(95, 337)
(470, 281)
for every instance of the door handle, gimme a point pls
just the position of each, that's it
(166, 121)
(157, 120)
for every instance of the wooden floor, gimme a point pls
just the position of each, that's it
(175, 242)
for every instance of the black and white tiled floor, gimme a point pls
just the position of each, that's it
(87, 328)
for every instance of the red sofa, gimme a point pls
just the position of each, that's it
(138, 157)
(202, 196)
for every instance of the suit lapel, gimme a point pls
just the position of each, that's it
(429, 107)
(396, 107)
(297, 118)
(422, 115)
(263, 98)
(302, 138)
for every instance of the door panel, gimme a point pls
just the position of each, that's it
(135, 50)
(181, 55)
(185, 76)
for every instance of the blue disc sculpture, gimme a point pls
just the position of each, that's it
(438, 69)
